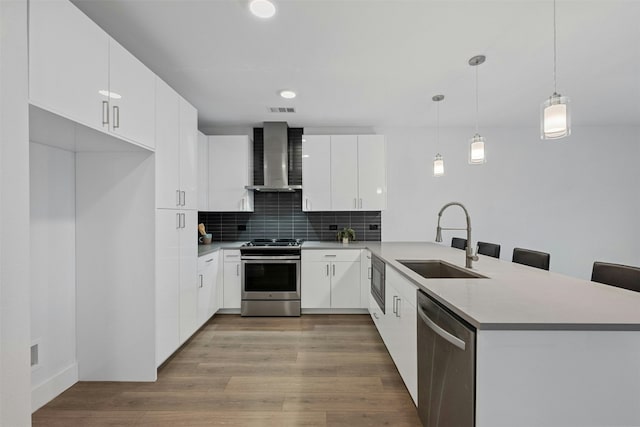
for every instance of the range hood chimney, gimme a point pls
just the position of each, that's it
(276, 159)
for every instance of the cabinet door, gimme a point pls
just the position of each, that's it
(203, 172)
(365, 278)
(344, 172)
(188, 155)
(316, 173)
(345, 285)
(132, 87)
(406, 353)
(229, 159)
(167, 146)
(372, 180)
(232, 284)
(188, 275)
(315, 290)
(167, 284)
(68, 62)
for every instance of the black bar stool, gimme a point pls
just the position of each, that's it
(531, 258)
(490, 249)
(621, 276)
(457, 242)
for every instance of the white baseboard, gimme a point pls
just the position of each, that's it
(49, 389)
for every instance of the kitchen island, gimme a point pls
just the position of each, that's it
(551, 350)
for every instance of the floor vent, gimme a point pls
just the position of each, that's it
(282, 109)
(35, 357)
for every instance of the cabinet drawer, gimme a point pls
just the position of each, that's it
(231, 255)
(206, 260)
(404, 287)
(348, 255)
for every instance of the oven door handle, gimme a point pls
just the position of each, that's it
(271, 258)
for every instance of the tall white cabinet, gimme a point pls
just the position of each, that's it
(344, 173)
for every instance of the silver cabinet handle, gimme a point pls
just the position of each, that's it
(394, 304)
(201, 285)
(355, 203)
(231, 256)
(237, 269)
(360, 203)
(181, 197)
(330, 256)
(105, 113)
(327, 269)
(334, 269)
(177, 197)
(306, 204)
(398, 307)
(369, 273)
(177, 221)
(116, 117)
(438, 330)
(375, 315)
(209, 260)
(184, 220)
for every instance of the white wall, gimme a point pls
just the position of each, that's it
(15, 390)
(576, 198)
(53, 271)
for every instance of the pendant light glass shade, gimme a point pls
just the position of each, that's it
(438, 165)
(476, 150)
(555, 120)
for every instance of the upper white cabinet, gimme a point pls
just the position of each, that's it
(68, 63)
(203, 172)
(132, 87)
(77, 71)
(230, 170)
(344, 173)
(372, 175)
(176, 150)
(316, 173)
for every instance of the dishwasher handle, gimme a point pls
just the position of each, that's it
(438, 330)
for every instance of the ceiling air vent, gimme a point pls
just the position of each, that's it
(282, 109)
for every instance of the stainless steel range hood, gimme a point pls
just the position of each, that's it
(276, 159)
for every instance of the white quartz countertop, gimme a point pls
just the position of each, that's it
(207, 249)
(515, 296)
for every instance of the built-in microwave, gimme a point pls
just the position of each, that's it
(377, 280)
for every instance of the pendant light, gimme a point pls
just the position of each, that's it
(438, 162)
(477, 155)
(555, 120)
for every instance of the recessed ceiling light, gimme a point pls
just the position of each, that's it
(287, 94)
(262, 8)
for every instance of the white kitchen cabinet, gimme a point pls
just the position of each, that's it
(176, 280)
(176, 150)
(208, 266)
(344, 172)
(330, 279)
(372, 177)
(365, 278)
(230, 170)
(68, 62)
(232, 279)
(78, 72)
(203, 172)
(316, 173)
(133, 90)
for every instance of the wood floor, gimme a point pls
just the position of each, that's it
(315, 370)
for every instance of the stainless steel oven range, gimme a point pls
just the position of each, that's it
(270, 277)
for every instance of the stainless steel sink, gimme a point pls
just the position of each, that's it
(436, 269)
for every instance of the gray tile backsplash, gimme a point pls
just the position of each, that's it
(280, 215)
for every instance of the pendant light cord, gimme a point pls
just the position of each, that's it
(438, 126)
(555, 49)
(477, 108)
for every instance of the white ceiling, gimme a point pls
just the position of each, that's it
(377, 63)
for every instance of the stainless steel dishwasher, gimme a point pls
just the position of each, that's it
(446, 366)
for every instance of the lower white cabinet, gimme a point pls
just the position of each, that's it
(208, 302)
(398, 327)
(232, 279)
(176, 282)
(330, 279)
